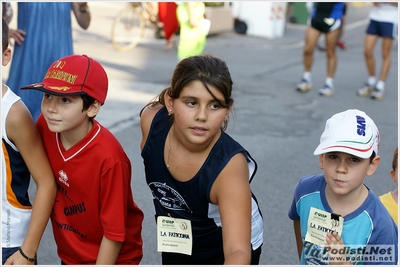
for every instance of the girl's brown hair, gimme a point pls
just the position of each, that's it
(209, 70)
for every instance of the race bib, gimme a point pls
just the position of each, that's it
(320, 223)
(174, 235)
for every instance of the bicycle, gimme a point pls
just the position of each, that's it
(130, 23)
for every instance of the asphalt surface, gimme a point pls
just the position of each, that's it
(277, 125)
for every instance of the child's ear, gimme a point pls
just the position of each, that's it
(392, 175)
(93, 109)
(6, 57)
(169, 102)
(229, 108)
(321, 161)
(373, 165)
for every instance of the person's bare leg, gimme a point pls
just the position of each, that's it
(386, 57)
(369, 44)
(311, 39)
(331, 39)
(340, 41)
(170, 43)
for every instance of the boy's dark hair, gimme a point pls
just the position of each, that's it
(395, 156)
(87, 102)
(5, 31)
(372, 156)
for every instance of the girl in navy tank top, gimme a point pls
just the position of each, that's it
(198, 175)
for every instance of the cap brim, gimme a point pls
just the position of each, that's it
(360, 152)
(58, 92)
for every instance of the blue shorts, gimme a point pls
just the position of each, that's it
(382, 29)
(7, 252)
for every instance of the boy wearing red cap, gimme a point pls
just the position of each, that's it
(95, 219)
(337, 218)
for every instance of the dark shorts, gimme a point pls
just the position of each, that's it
(325, 25)
(7, 252)
(382, 29)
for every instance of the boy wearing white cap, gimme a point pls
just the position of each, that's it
(337, 218)
(94, 219)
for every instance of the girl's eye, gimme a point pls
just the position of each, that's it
(47, 96)
(215, 106)
(191, 103)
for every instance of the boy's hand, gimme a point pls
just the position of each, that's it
(17, 35)
(17, 259)
(334, 241)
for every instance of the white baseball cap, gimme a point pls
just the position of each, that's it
(351, 131)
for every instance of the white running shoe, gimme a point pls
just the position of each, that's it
(377, 94)
(327, 90)
(304, 86)
(366, 90)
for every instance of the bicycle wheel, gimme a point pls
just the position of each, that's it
(127, 29)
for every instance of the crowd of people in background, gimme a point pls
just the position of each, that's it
(328, 19)
(198, 175)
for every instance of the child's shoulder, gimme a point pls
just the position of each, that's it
(384, 229)
(149, 111)
(148, 114)
(312, 180)
(309, 184)
(107, 141)
(374, 207)
(17, 113)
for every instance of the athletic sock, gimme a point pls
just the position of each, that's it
(329, 81)
(371, 80)
(307, 76)
(380, 85)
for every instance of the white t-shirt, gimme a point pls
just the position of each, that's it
(384, 12)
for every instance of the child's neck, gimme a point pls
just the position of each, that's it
(346, 204)
(71, 138)
(395, 196)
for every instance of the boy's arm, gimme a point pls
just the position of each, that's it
(108, 252)
(297, 233)
(21, 130)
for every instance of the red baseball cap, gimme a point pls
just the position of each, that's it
(74, 75)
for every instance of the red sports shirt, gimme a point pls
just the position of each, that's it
(94, 197)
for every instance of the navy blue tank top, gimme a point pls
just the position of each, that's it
(191, 199)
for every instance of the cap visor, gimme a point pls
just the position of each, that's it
(57, 92)
(363, 153)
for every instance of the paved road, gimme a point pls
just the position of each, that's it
(277, 125)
